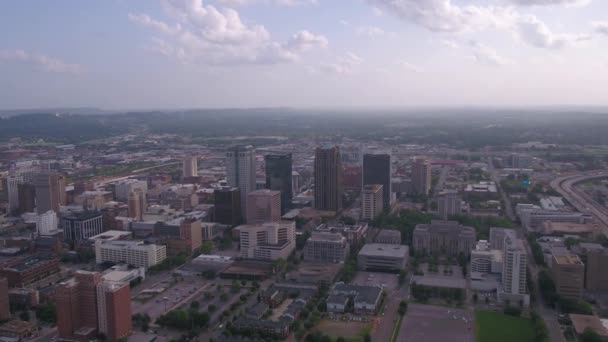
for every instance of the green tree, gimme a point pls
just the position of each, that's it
(589, 335)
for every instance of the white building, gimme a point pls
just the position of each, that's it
(371, 201)
(47, 223)
(125, 187)
(268, 241)
(134, 253)
(240, 171)
(532, 216)
(486, 260)
(514, 272)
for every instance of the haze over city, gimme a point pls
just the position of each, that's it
(303, 53)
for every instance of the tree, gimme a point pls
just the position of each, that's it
(24, 316)
(402, 275)
(46, 313)
(367, 338)
(194, 305)
(589, 335)
(475, 297)
(207, 247)
(402, 308)
(340, 339)
(487, 300)
(212, 308)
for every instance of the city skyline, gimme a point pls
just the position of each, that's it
(303, 53)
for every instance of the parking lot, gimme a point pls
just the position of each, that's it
(387, 281)
(437, 324)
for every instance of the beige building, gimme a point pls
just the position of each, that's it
(568, 274)
(596, 273)
(190, 167)
(263, 206)
(137, 204)
(421, 176)
(372, 203)
(444, 237)
(134, 253)
(268, 241)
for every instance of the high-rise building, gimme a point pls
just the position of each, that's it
(421, 177)
(114, 309)
(515, 263)
(27, 197)
(377, 170)
(47, 192)
(5, 312)
(227, 206)
(569, 275)
(190, 167)
(279, 177)
(47, 223)
(448, 204)
(137, 204)
(596, 272)
(240, 171)
(328, 179)
(295, 182)
(268, 241)
(12, 184)
(63, 195)
(326, 247)
(263, 206)
(123, 188)
(89, 304)
(81, 226)
(372, 203)
(497, 237)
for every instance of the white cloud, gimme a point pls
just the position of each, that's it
(370, 31)
(449, 43)
(344, 22)
(410, 67)
(285, 3)
(343, 65)
(487, 56)
(205, 34)
(445, 16)
(601, 27)
(550, 2)
(43, 62)
(377, 12)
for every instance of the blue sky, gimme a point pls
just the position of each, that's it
(120, 54)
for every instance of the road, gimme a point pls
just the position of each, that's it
(383, 326)
(548, 314)
(580, 201)
(505, 198)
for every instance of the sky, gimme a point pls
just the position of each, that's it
(170, 54)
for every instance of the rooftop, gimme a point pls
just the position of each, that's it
(386, 250)
(567, 259)
(111, 235)
(582, 322)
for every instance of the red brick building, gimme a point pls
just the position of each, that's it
(24, 270)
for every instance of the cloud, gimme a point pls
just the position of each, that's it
(43, 62)
(449, 43)
(550, 2)
(344, 22)
(343, 65)
(601, 27)
(534, 32)
(487, 56)
(377, 12)
(370, 31)
(285, 3)
(444, 16)
(411, 67)
(205, 34)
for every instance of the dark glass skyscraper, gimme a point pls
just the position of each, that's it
(278, 177)
(377, 170)
(328, 179)
(228, 206)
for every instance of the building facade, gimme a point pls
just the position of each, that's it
(444, 237)
(5, 308)
(371, 201)
(421, 177)
(81, 226)
(279, 177)
(569, 275)
(448, 204)
(268, 241)
(134, 253)
(240, 171)
(515, 264)
(382, 257)
(47, 192)
(47, 223)
(377, 170)
(190, 167)
(263, 206)
(328, 179)
(227, 205)
(326, 247)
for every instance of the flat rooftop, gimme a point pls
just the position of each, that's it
(567, 259)
(111, 235)
(384, 250)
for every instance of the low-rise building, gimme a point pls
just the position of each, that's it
(383, 257)
(486, 260)
(326, 247)
(269, 241)
(134, 253)
(354, 234)
(337, 303)
(444, 237)
(278, 329)
(366, 299)
(22, 271)
(19, 330)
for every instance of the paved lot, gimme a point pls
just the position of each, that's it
(181, 292)
(389, 281)
(437, 324)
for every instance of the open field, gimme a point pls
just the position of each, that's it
(351, 331)
(496, 327)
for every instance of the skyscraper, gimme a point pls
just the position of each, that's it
(371, 201)
(279, 177)
(328, 179)
(515, 263)
(227, 203)
(114, 309)
(240, 171)
(263, 206)
(190, 167)
(137, 204)
(377, 170)
(47, 192)
(27, 197)
(421, 177)
(448, 204)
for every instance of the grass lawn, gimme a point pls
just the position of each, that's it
(496, 327)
